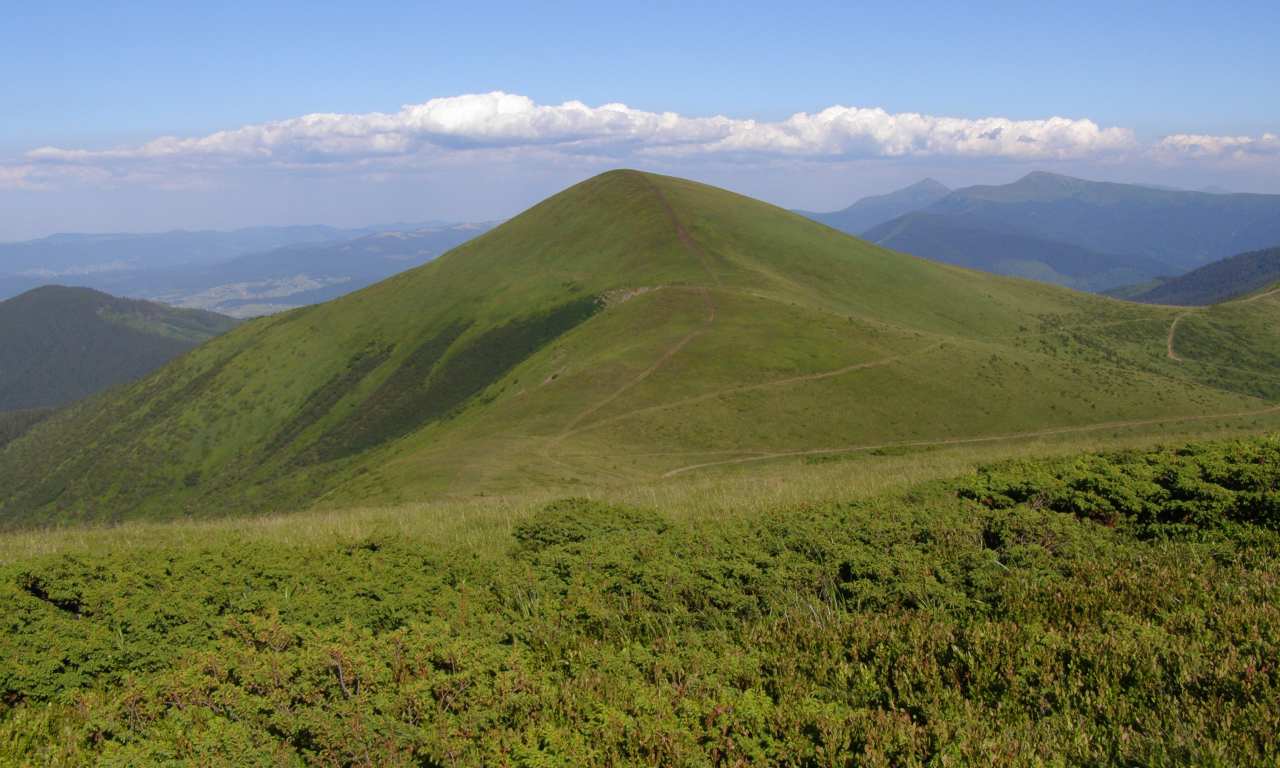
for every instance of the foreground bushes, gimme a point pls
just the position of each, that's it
(1103, 610)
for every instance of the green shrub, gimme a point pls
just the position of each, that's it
(1170, 490)
(15, 424)
(576, 520)
(934, 629)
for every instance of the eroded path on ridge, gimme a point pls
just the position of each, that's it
(681, 231)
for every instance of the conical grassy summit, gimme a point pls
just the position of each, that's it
(630, 328)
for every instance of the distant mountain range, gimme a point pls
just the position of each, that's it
(1210, 284)
(82, 254)
(59, 344)
(243, 273)
(293, 276)
(972, 242)
(870, 211)
(1082, 234)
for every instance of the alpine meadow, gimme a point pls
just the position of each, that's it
(654, 473)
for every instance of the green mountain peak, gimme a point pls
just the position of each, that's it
(632, 327)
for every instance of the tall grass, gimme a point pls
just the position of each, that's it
(484, 521)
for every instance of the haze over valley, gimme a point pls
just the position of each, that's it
(241, 274)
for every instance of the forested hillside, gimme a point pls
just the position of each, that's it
(968, 241)
(1087, 235)
(1184, 229)
(1219, 281)
(60, 344)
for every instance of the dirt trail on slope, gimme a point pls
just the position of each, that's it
(681, 231)
(1251, 298)
(763, 385)
(711, 315)
(1174, 356)
(961, 440)
(1172, 329)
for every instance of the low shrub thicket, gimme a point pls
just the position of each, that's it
(1111, 609)
(1172, 490)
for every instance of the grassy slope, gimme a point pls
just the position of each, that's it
(1113, 609)
(648, 386)
(58, 344)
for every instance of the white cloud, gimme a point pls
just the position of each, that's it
(1237, 148)
(500, 126)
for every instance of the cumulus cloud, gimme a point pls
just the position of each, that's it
(1238, 148)
(508, 127)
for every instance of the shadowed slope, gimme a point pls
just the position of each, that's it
(629, 327)
(59, 344)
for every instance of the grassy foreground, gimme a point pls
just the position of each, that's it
(1106, 608)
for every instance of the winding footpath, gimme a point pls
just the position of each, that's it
(681, 231)
(697, 252)
(568, 428)
(751, 387)
(1259, 296)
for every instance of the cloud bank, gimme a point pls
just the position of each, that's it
(505, 127)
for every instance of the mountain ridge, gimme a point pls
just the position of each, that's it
(260, 282)
(628, 328)
(869, 212)
(1224, 280)
(1185, 229)
(1082, 234)
(1008, 250)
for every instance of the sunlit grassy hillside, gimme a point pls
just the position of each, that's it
(632, 329)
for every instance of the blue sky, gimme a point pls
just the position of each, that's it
(90, 78)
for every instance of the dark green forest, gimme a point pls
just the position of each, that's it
(1219, 281)
(59, 344)
(1115, 608)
